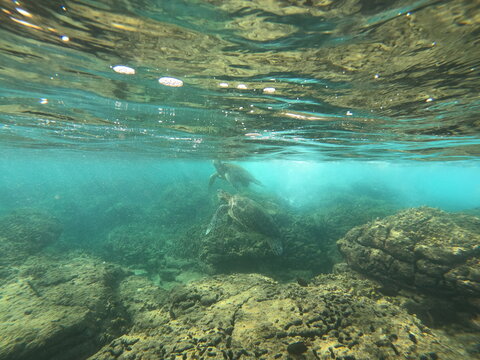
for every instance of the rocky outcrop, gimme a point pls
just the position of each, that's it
(232, 247)
(253, 317)
(59, 310)
(423, 249)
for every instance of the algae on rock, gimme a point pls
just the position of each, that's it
(422, 248)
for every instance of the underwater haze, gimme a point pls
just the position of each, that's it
(203, 179)
(34, 179)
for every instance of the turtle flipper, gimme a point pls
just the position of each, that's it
(214, 221)
(255, 181)
(213, 177)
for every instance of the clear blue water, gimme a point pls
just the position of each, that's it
(52, 181)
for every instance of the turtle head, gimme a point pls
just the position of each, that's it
(223, 195)
(219, 166)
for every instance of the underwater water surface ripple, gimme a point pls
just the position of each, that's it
(242, 79)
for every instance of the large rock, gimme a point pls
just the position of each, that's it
(59, 310)
(422, 249)
(231, 247)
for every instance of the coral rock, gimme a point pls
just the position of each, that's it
(423, 248)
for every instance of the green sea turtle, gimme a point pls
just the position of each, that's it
(250, 215)
(237, 176)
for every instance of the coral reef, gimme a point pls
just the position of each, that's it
(423, 248)
(253, 317)
(81, 307)
(75, 306)
(309, 237)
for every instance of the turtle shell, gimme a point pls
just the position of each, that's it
(238, 176)
(251, 215)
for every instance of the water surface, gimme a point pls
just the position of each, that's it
(279, 79)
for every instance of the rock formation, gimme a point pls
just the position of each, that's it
(253, 317)
(424, 249)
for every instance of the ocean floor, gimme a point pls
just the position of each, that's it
(74, 305)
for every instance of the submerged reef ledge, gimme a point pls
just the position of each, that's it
(250, 316)
(95, 310)
(59, 309)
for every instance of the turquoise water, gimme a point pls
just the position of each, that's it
(90, 184)
(32, 180)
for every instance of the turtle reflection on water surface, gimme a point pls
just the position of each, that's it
(237, 176)
(250, 215)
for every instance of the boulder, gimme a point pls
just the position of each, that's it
(59, 309)
(422, 249)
